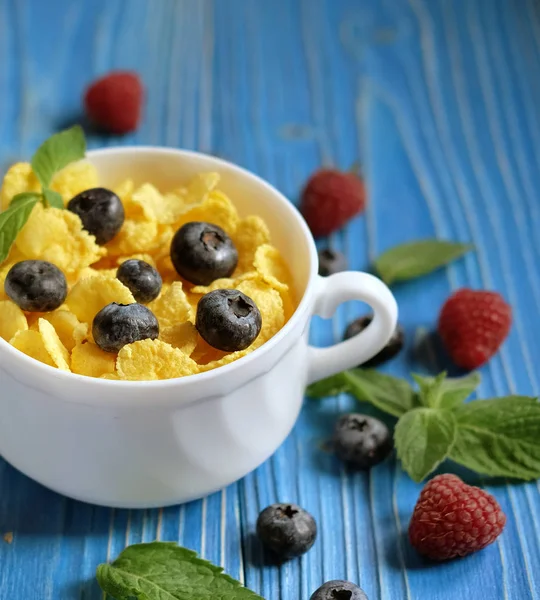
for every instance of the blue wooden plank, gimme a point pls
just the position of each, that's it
(437, 100)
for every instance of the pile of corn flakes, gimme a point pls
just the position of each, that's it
(62, 338)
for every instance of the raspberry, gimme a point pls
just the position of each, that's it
(453, 519)
(114, 101)
(473, 325)
(330, 199)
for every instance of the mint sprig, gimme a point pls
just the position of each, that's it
(166, 571)
(52, 156)
(499, 437)
(414, 259)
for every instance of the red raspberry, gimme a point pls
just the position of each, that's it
(453, 519)
(330, 199)
(473, 325)
(114, 101)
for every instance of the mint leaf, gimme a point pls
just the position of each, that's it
(431, 389)
(12, 221)
(423, 439)
(166, 571)
(414, 259)
(58, 152)
(20, 198)
(390, 394)
(331, 386)
(499, 437)
(52, 198)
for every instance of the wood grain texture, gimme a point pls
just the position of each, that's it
(438, 99)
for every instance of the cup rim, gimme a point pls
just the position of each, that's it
(119, 385)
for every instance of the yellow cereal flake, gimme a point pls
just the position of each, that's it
(88, 359)
(12, 319)
(149, 360)
(74, 179)
(19, 178)
(183, 336)
(172, 306)
(66, 325)
(134, 237)
(289, 305)
(124, 189)
(165, 210)
(57, 351)
(200, 186)
(219, 284)
(31, 343)
(270, 305)
(216, 208)
(225, 359)
(91, 294)
(271, 267)
(145, 257)
(251, 233)
(57, 236)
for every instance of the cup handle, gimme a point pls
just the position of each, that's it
(341, 287)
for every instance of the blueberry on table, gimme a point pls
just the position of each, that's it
(203, 252)
(286, 529)
(392, 348)
(116, 325)
(228, 320)
(339, 590)
(143, 281)
(101, 212)
(361, 441)
(331, 261)
(36, 285)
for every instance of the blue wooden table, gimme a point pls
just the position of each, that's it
(439, 101)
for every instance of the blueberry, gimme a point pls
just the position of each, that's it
(286, 529)
(330, 262)
(361, 441)
(339, 590)
(202, 252)
(228, 320)
(36, 285)
(116, 325)
(391, 349)
(141, 278)
(100, 211)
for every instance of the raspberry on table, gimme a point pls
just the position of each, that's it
(114, 101)
(473, 325)
(330, 199)
(453, 519)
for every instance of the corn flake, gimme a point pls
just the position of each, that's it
(147, 258)
(216, 208)
(172, 306)
(164, 209)
(67, 326)
(183, 336)
(74, 179)
(90, 295)
(88, 359)
(12, 319)
(200, 186)
(57, 351)
(57, 236)
(270, 305)
(134, 237)
(150, 360)
(19, 178)
(251, 233)
(31, 343)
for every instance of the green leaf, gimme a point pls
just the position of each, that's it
(423, 439)
(20, 198)
(166, 571)
(414, 259)
(58, 152)
(53, 198)
(12, 221)
(331, 386)
(446, 392)
(390, 394)
(499, 437)
(430, 389)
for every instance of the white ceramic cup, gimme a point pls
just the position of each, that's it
(157, 443)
